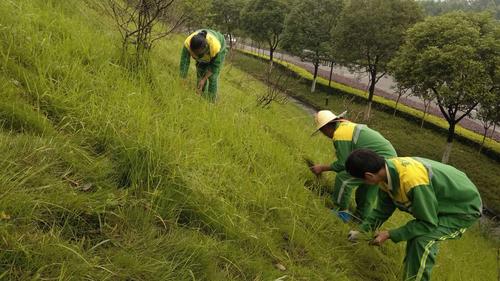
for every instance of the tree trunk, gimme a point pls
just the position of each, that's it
(368, 111)
(482, 142)
(425, 113)
(230, 41)
(493, 133)
(396, 107)
(451, 136)
(447, 152)
(315, 77)
(313, 86)
(371, 92)
(331, 72)
(371, 89)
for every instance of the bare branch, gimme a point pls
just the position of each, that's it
(380, 77)
(440, 105)
(136, 21)
(178, 23)
(467, 112)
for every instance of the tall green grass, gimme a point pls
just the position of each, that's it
(109, 174)
(406, 136)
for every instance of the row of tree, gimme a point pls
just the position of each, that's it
(452, 59)
(435, 8)
(455, 60)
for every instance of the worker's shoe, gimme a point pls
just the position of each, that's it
(343, 215)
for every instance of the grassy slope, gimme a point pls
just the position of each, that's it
(109, 176)
(408, 138)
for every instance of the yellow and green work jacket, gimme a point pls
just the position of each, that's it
(212, 57)
(434, 193)
(349, 136)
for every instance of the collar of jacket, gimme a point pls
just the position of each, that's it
(213, 44)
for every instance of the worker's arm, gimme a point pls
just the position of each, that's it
(342, 151)
(217, 61)
(184, 63)
(213, 69)
(424, 208)
(382, 211)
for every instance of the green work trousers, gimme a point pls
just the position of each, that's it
(365, 195)
(421, 251)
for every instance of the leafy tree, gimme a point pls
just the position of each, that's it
(307, 32)
(264, 21)
(370, 32)
(197, 13)
(226, 16)
(489, 51)
(489, 113)
(448, 55)
(435, 8)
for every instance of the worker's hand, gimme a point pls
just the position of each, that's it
(353, 235)
(380, 238)
(201, 85)
(344, 215)
(317, 169)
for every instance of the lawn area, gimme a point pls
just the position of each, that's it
(404, 133)
(112, 173)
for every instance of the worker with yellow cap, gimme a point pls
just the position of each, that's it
(208, 48)
(348, 136)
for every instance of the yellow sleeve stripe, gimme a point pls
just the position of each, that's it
(344, 131)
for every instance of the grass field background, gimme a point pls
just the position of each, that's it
(109, 174)
(405, 134)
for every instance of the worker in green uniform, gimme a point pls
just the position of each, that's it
(208, 48)
(348, 136)
(442, 199)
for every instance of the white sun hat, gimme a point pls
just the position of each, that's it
(324, 117)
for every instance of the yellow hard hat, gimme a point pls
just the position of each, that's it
(324, 117)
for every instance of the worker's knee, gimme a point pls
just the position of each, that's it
(419, 244)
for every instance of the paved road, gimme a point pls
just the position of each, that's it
(384, 87)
